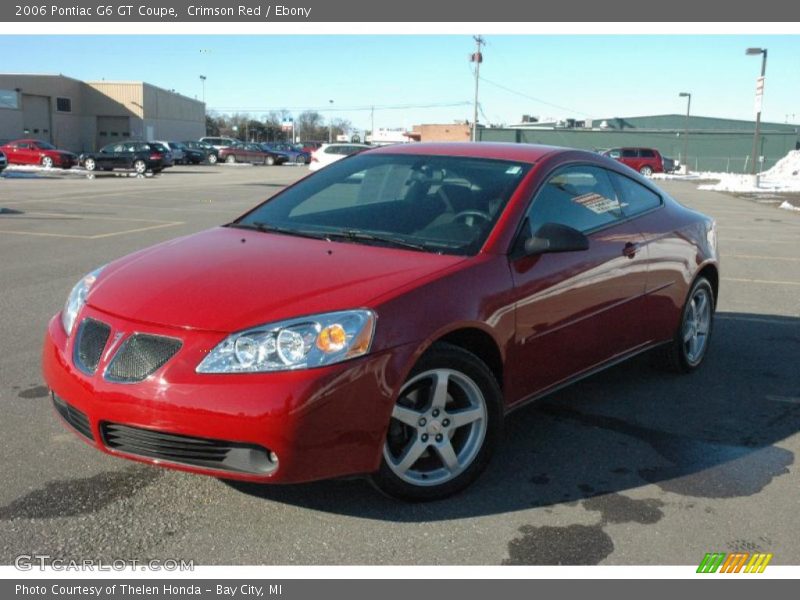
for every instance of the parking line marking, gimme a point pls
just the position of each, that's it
(746, 241)
(777, 321)
(74, 217)
(39, 233)
(758, 257)
(115, 233)
(767, 281)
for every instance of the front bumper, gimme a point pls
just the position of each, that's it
(321, 423)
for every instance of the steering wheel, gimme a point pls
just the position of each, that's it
(469, 216)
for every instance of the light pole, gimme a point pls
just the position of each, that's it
(688, 97)
(330, 126)
(759, 99)
(205, 110)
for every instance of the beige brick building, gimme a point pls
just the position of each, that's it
(80, 116)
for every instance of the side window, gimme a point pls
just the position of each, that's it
(647, 153)
(23, 145)
(629, 153)
(635, 197)
(580, 197)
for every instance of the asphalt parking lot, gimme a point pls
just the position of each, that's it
(632, 466)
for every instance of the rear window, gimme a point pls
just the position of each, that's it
(635, 197)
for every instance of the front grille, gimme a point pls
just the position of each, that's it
(74, 417)
(187, 450)
(140, 356)
(89, 345)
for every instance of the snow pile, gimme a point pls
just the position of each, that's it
(786, 168)
(743, 184)
(788, 206)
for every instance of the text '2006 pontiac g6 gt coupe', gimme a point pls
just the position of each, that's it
(382, 316)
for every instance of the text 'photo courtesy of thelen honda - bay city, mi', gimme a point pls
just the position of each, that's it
(382, 316)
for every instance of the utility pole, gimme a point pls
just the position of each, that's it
(372, 125)
(477, 58)
(759, 96)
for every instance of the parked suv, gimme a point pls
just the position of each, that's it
(645, 160)
(139, 156)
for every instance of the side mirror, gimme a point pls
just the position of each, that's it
(555, 237)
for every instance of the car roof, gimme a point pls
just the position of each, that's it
(529, 153)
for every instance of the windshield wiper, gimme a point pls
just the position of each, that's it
(269, 228)
(358, 235)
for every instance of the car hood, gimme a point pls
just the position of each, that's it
(228, 279)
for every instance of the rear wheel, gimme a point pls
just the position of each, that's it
(89, 164)
(690, 344)
(230, 159)
(212, 159)
(270, 161)
(444, 427)
(47, 162)
(646, 170)
(140, 166)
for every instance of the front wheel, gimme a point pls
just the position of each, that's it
(89, 164)
(47, 162)
(270, 161)
(444, 427)
(230, 159)
(212, 159)
(140, 167)
(646, 170)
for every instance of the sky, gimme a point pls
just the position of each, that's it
(412, 79)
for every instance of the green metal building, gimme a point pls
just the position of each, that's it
(714, 144)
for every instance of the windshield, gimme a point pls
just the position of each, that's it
(45, 146)
(435, 203)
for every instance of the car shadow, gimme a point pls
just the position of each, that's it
(712, 434)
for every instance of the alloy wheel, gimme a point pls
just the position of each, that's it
(696, 326)
(437, 428)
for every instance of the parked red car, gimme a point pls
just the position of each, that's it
(645, 160)
(382, 316)
(37, 152)
(249, 153)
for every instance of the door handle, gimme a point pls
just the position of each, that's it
(630, 249)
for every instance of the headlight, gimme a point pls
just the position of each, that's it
(76, 300)
(303, 343)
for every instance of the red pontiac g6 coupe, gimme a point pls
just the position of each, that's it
(382, 316)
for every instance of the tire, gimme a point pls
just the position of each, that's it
(212, 159)
(270, 161)
(230, 159)
(646, 170)
(47, 162)
(140, 167)
(689, 346)
(426, 427)
(89, 164)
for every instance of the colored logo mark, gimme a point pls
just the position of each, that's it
(736, 562)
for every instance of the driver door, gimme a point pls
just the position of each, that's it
(577, 310)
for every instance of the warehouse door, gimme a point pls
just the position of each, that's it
(36, 117)
(112, 129)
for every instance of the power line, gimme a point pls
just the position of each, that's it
(534, 98)
(368, 108)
